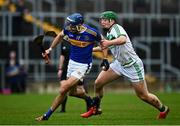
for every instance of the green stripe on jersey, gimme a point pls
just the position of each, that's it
(138, 71)
(110, 37)
(117, 30)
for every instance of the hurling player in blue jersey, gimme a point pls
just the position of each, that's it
(82, 38)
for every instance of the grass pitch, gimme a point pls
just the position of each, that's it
(118, 109)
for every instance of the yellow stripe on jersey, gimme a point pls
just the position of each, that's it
(91, 32)
(79, 43)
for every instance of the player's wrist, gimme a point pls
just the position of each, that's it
(105, 59)
(50, 49)
(60, 68)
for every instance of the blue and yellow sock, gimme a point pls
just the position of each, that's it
(48, 113)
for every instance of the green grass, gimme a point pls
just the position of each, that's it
(118, 108)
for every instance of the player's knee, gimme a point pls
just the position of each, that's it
(98, 84)
(63, 88)
(77, 93)
(62, 91)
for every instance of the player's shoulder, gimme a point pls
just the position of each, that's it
(91, 30)
(117, 26)
(65, 32)
(90, 27)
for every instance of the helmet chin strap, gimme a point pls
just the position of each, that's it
(111, 25)
(105, 30)
(108, 29)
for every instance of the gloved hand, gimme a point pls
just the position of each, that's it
(105, 65)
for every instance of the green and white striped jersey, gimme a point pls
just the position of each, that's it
(124, 53)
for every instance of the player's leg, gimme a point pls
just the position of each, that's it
(136, 75)
(80, 71)
(79, 91)
(63, 105)
(103, 78)
(65, 86)
(142, 92)
(85, 85)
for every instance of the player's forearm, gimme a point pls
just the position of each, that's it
(56, 41)
(118, 41)
(97, 49)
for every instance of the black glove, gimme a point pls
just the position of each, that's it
(105, 65)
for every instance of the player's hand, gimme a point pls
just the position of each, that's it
(105, 43)
(46, 58)
(45, 55)
(59, 73)
(46, 52)
(105, 65)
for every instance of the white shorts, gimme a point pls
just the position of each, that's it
(78, 70)
(134, 73)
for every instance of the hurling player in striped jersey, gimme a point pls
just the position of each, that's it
(126, 63)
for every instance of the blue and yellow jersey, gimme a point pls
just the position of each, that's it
(82, 43)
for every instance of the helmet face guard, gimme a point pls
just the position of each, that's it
(72, 28)
(74, 22)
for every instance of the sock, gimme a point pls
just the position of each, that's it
(48, 113)
(96, 101)
(162, 109)
(89, 102)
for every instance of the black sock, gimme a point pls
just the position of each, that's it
(162, 109)
(88, 101)
(96, 101)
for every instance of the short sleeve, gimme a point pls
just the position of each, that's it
(65, 31)
(117, 31)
